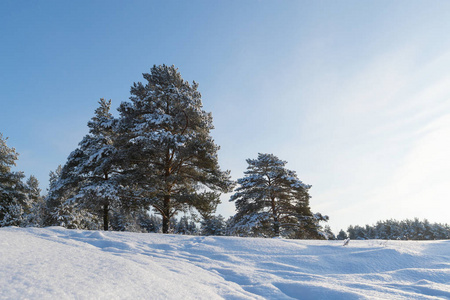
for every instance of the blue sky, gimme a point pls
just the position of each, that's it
(353, 94)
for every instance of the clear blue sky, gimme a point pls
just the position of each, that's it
(353, 94)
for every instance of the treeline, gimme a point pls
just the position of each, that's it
(152, 164)
(398, 230)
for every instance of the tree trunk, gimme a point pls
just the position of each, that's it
(105, 217)
(166, 215)
(166, 222)
(276, 227)
(276, 223)
(105, 209)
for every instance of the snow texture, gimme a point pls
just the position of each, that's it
(57, 263)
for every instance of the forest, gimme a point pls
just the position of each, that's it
(155, 168)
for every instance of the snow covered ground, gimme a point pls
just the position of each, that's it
(56, 263)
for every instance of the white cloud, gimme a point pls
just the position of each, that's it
(381, 140)
(420, 187)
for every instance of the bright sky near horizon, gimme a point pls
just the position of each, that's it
(355, 95)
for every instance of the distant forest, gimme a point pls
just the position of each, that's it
(398, 230)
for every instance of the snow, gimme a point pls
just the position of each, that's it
(57, 263)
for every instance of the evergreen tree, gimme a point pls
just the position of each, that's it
(186, 226)
(53, 199)
(123, 219)
(329, 235)
(13, 198)
(166, 148)
(404, 230)
(356, 233)
(35, 203)
(272, 201)
(99, 187)
(214, 225)
(86, 187)
(342, 235)
(62, 208)
(150, 223)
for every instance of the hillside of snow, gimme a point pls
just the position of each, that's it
(56, 263)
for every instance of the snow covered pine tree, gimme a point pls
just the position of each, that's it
(166, 147)
(86, 187)
(35, 203)
(13, 198)
(100, 191)
(214, 225)
(272, 201)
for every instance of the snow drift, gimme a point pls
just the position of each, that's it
(50, 263)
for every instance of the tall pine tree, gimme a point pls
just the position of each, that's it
(166, 147)
(272, 201)
(100, 187)
(13, 198)
(86, 187)
(35, 203)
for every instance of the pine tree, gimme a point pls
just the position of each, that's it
(54, 197)
(62, 209)
(13, 196)
(356, 233)
(35, 203)
(186, 226)
(404, 230)
(134, 220)
(342, 235)
(329, 235)
(272, 201)
(99, 189)
(166, 147)
(86, 187)
(150, 223)
(214, 225)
